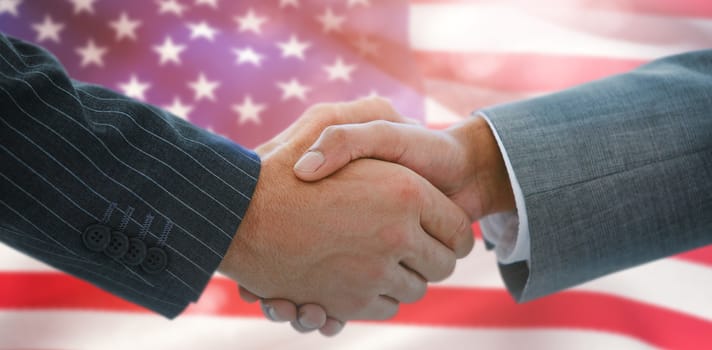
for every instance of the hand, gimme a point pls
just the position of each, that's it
(463, 161)
(331, 258)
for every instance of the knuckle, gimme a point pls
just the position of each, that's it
(408, 189)
(335, 133)
(389, 311)
(446, 268)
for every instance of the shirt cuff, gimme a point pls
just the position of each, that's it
(508, 231)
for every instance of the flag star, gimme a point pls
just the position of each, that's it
(354, 3)
(339, 70)
(204, 88)
(248, 55)
(48, 30)
(202, 30)
(293, 47)
(366, 47)
(293, 89)
(250, 22)
(211, 3)
(179, 109)
(9, 6)
(91, 54)
(248, 111)
(83, 5)
(169, 51)
(171, 6)
(125, 27)
(285, 3)
(330, 21)
(135, 88)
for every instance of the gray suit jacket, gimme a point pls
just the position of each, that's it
(117, 192)
(614, 173)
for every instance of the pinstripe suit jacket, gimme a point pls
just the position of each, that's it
(117, 192)
(614, 173)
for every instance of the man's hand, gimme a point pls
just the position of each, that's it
(463, 161)
(356, 243)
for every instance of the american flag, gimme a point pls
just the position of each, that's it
(246, 69)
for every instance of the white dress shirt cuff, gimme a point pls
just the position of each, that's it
(508, 231)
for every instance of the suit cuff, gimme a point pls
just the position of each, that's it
(508, 232)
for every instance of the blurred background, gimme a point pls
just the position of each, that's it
(246, 69)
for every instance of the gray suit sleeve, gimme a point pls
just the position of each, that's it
(112, 190)
(615, 173)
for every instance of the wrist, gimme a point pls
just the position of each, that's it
(490, 177)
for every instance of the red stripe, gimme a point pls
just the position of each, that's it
(676, 8)
(701, 256)
(518, 72)
(448, 307)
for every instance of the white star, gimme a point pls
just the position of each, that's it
(135, 88)
(171, 6)
(9, 6)
(285, 3)
(248, 55)
(48, 30)
(248, 111)
(339, 70)
(330, 21)
(91, 54)
(293, 47)
(83, 5)
(211, 3)
(125, 27)
(293, 89)
(179, 109)
(250, 22)
(202, 30)
(366, 47)
(169, 51)
(365, 3)
(204, 88)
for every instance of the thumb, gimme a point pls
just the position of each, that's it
(340, 144)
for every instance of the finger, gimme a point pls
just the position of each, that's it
(311, 316)
(380, 308)
(446, 222)
(429, 257)
(338, 145)
(332, 327)
(247, 296)
(279, 310)
(409, 286)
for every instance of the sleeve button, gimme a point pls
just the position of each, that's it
(96, 237)
(118, 245)
(156, 260)
(136, 252)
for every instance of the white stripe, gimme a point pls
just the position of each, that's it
(528, 27)
(649, 283)
(449, 101)
(672, 283)
(90, 330)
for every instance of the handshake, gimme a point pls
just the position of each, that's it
(357, 208)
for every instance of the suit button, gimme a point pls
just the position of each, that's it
(118, 245)
(136, 252)
(156, 260)
(96, 237)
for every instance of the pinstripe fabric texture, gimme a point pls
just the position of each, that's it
(614, 173)
(74, 154)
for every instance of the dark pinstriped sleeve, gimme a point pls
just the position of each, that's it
(114, 191)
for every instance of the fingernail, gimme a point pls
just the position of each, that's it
(310, 162)
(306, 323)
(269, 312)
